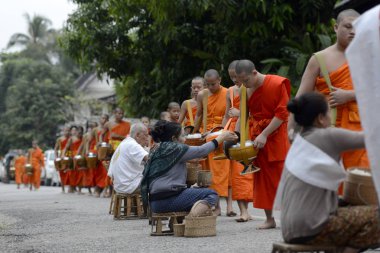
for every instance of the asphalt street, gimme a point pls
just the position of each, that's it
(49, 221)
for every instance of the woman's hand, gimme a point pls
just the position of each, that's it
(227, 136)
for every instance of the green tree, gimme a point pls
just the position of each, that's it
(38, 32)
(35, 102)
(155, 47)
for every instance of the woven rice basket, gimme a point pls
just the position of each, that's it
(179, 230)
(204, 178)
(200, 226)
(359, 189)
(192, 172)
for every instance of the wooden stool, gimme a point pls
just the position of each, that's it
(174, 218)
(282, 247)
(127, 206)
(112, 202)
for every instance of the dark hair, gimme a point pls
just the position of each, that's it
(164, 131)
(307, 107)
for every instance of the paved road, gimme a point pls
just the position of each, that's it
(49, 221)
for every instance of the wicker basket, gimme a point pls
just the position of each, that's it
(359, 189)
(200, 226)
(57, 163)
(192, 172)
(204, 178)
(179, 230)
(195, 141)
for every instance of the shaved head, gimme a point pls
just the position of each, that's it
(244, 66)
(233, 64)
(118, 109)
(173, 105)
(199, 79)
(212, 73)
(345, 14)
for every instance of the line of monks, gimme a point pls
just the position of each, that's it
(213, 105)
(75, 142)
(35, 159)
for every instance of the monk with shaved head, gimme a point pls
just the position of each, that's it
(267, 98)
(174, 111)
(341, 94)
(241, 185)
(189, 107)
(211, 106)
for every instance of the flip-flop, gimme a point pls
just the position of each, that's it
(241, 220)
(231, 214)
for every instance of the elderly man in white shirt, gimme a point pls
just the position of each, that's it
(127, 163)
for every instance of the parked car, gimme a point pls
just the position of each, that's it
(8, 169)
(51, 174)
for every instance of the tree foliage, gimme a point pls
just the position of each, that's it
(35, 89)
(155, 47)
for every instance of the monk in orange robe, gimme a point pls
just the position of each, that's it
(268, 96)
(118, 131)
(60, 145)
(189, 107)
(214, 98)
(37, 160)
(241, 185)
(20, 162)
(88, 145)
(100, 173)
(342, 95)
(174, 111)
(75, 177)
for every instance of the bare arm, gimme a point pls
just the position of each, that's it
(183, 112)
(198, 117)
(228, 106)
(105, 129)
(56, 147)
(307, 85)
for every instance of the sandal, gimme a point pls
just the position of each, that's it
(231, 214)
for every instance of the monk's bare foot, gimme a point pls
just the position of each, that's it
(268, 224)
(97, 194)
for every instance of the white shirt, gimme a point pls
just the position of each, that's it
(126, 166)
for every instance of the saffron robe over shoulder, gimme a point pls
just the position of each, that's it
(122, 129)
(62, 174)
(19, 168)
(37, 160)
(347, 114)
(220, 169)
(265, 103)
(242, 185)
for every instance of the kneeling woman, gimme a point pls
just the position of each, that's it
(164, 177)
(307, 194)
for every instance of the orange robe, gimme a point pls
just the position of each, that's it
(20, 168)
(88, 174)
(194, 113)
(266, 102)
(220, 169)
(242, 186)
(37, 160)
(347, 114)
(62, 174)
(122, 129)
(100, 173)
(75, 176)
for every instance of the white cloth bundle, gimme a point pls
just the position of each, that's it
(363, 57)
